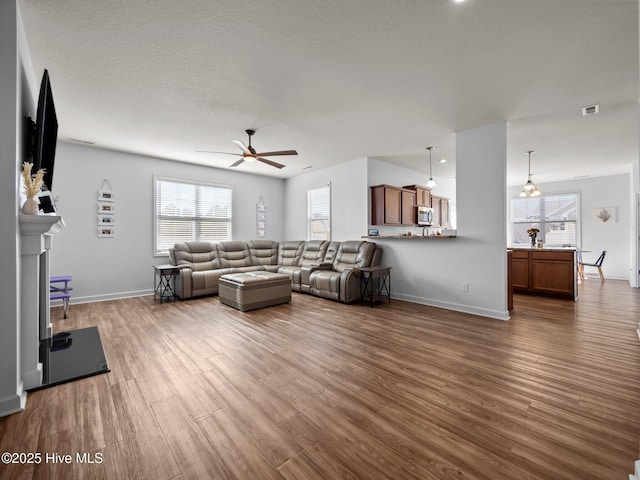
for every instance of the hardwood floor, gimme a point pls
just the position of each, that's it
(319, 390)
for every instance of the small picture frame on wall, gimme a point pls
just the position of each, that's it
(106, 207)
(106, 232)
(106, 219)
(604, 215)
(106, 196)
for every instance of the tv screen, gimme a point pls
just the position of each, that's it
(46, 132)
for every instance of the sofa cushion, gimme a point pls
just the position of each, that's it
(313, 252)
(263, 252)
(233, 254)
(353, 255)
(206, 282)
(198, 256)
(290, 252)
(325, 283)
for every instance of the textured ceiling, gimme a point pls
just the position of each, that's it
(345, 79)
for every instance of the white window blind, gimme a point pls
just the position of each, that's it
(188, 211)
(319, 213)
(556, 216)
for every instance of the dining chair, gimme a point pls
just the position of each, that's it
(597, 264)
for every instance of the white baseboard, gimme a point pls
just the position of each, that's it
(105, 297)
(457, 307)
(13, 404)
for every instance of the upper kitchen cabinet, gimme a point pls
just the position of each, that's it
(392, 205)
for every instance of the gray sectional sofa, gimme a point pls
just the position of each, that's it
(321, 268)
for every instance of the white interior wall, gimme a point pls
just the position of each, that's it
(104, 268)
(432, 271)
(596, 236)
(17, 90)
(349, 208)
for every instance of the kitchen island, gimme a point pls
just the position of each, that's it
(544, 271)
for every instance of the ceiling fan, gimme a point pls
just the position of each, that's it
(249, 153)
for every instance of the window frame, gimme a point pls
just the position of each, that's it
(197, 226)
(310, 220)
(540, 224)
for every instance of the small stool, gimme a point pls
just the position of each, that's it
(61, 292)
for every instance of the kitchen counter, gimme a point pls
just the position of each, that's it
(409, 237)
(544, 249)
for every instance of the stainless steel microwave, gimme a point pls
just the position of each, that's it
(425, 215)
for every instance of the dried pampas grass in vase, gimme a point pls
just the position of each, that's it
(32, 187)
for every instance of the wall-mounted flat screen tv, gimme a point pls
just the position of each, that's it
(46, 132)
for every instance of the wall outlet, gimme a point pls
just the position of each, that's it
(464, 287)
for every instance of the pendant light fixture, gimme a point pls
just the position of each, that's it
(529, 189)
(431, 183)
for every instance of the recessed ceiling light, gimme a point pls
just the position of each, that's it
(458, 1)
(443, 160)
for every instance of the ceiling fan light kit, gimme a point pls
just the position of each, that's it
(529, 189)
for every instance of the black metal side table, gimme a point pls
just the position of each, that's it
(375, 283)
(164, 281)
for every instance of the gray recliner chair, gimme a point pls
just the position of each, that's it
(340, 280)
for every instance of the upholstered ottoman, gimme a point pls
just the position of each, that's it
(251, 290)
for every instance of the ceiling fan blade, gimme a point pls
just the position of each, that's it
(237, 163)
(281, 152)
(242, 146)
(270, 162)
(223, 153)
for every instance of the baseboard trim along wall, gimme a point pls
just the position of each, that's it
(458, 307)
(13, 404)
(105, 297)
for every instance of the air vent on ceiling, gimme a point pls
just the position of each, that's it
(83, 142)
(590, 110)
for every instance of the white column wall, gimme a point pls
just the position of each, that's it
(17, 87)
(432, 271)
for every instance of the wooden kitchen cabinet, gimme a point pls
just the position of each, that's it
(392, 205)
(544, 272)
(423, 194)
(440, 207)
(408, 210)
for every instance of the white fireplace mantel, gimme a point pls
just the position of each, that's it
(36, 232)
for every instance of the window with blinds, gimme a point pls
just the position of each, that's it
(319, 213)
(556, 216)
(186, 210)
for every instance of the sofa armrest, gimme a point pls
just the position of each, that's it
(350, 285)
(184, 282)
(305, 272)
(322, 266)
